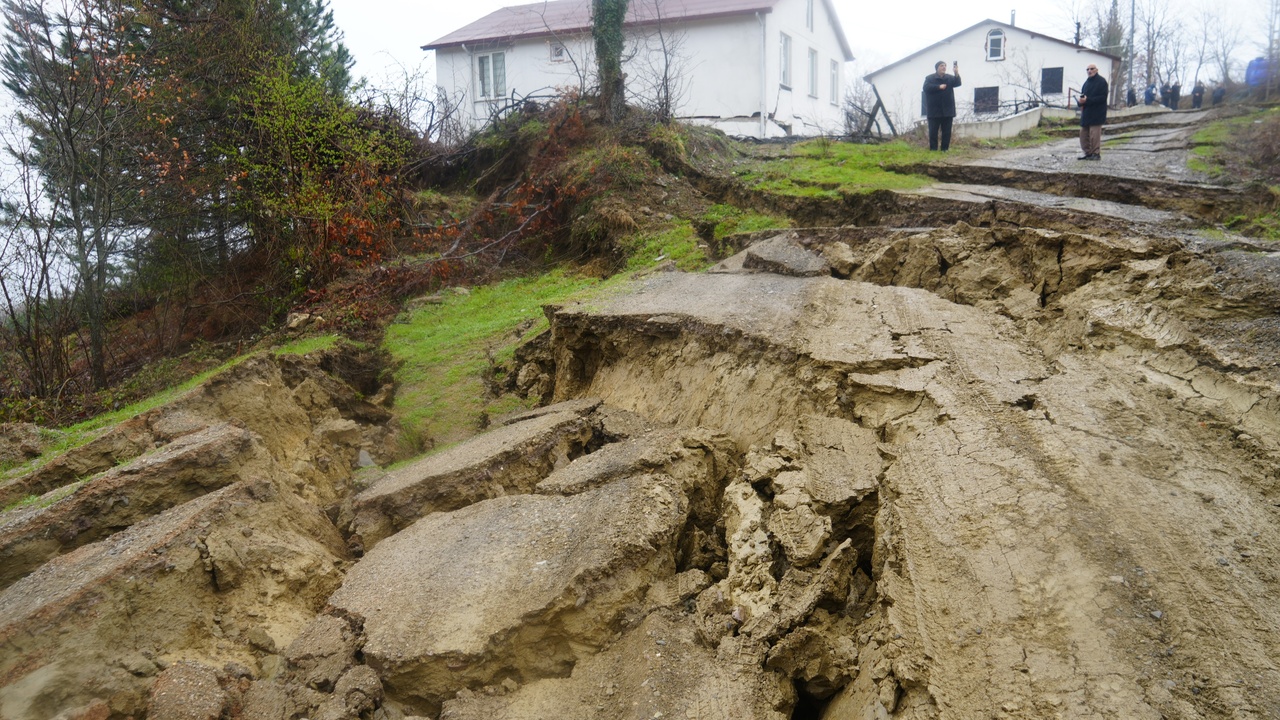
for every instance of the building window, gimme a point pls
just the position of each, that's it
(1051, 81)
(995, 45)
(986, 100)
(784, 63)
(808, 14)
(491, 73)
(558, 53)
(813, 73)
(835, 83)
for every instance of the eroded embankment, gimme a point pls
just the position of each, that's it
(965, 472)
(1079, 477)
(1208, 203)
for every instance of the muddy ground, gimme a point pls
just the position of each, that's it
(1004, 447)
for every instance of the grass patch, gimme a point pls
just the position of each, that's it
(44, 501)
(1215, 147)
(1244, 148)
(679, 244)
(729, 219)
(305, 345)
(446, 349)
(827, 169)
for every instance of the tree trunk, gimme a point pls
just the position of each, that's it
(606, 29)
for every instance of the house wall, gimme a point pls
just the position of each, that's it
(793, 111)
(726, 70)
(1017, 76)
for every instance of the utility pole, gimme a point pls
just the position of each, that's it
(1129, 61)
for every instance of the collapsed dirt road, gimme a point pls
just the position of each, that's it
(1019, 466)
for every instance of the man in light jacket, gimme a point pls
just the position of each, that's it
(1093, 113)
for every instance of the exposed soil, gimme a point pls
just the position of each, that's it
(1005, 447)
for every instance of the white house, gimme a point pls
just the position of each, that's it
(761, 68)
(1004, 69)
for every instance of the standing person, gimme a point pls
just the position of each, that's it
(1219, 93)
(1197, 95)
(1149, 97)
(1175, 94)
(1093, 113)
(940, 103)
(1132, 97)
(1164, 95)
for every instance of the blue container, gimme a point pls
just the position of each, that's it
(1256, 73)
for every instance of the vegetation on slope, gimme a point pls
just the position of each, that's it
(545, 190)
(1247, 146)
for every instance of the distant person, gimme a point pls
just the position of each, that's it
(1164, 95)
(1197, 95)
(1093, 113)
(1149, 97)
(940, 103)
(1219, 94)
(1132, 97)
(1175, 95)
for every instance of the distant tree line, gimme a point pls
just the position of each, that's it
(1176, 43)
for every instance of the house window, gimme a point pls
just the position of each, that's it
(558, 53)
(1051, 81)
(995, 45)
(835, 83)
(986, 100)
(808, 14)
(491, 73)
(784, 66)
(813, 73)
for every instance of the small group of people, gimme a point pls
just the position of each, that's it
(1171, 95)
(940, 108)
(940, 105)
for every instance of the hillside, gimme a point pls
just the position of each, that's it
(1000, 444)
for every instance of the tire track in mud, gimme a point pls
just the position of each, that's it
(1084, 505)
(1000, 488)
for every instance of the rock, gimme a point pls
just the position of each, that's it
(782, 254)
(19, 442)
(323, 651)
(824, 659)
(672, 452)
(840, 257)
(186, 468)
(186, 691)
(95, 596)
(656, 670)
(509, 459)
(802, 533)
(524, 585)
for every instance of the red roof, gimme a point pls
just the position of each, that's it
(574, 16)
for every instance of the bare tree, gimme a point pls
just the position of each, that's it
(37, 312)
(1156, 25)
(1223, 46)
(659, 62)
(1271, 21)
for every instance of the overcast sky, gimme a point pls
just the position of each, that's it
(385, 33)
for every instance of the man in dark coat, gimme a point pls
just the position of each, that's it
(1175, 95)
(1164, 95)
(1150, 96)
(1197, 95)
(1093, 113)
(1219, 93)
(940, 103)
